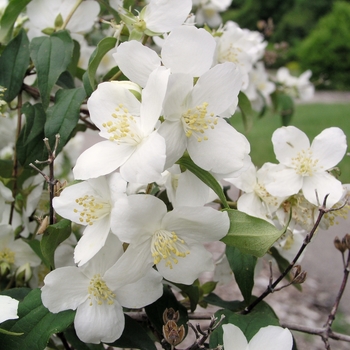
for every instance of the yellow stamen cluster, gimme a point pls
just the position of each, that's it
(99, 291)
(7, 255)
(304, 164)
(122, 126)
(91, 209)
(231, 54)
(167, 245)
(197, 121)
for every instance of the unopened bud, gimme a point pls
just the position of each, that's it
(340, 244)
(346, 240)
(4, 268)
(58, 21)
(24, 273)
(172, 333)
(48, 31)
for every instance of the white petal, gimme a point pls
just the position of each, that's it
(99, 323)
(58, 296)
(146, 164)
(288, 142)
(136, 61)
(251, 204)
(329, 148)
(188, 268)
(233, 338)
(101, 159)
(219, 87)
(152, 99)
(8, 308)
(286, 182)
(218, 156)
(142, 292)
(24, 254)
(175, 139)
(137, 217)
(324, 184)
(272, 338)
(164, 15)
(202, 224)
(92, 241)
(196, 54)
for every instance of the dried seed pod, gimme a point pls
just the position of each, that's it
(172, 333)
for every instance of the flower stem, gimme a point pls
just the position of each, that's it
(71, 13)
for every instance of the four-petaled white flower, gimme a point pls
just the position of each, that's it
(192, 122)
(90, 203)
(267, 338)
(128, 125)
(304, 167)
(173, 240)
(99, 290)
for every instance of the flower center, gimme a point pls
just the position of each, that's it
(123, 127)
(197, 120)
(91, 209)
(7, 255)
(304, 164)
(99, 291)
(167, 245)
(231, 54)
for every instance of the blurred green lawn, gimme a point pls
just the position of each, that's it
(310, 118)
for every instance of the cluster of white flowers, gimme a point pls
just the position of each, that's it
(174, 104)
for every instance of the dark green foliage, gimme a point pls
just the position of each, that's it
(327, 49)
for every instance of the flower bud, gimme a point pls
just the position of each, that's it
(346, 241)
(340, 244)
(24, 273)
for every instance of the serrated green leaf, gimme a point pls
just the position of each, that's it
(243, 266)
(249, 234)
(168, 300)
(63, 116)
(102, 48)
(14, 62)
(53, 236)
(246, 110)
(9, 17)
(204, 176)
(51, 57)
(30, 145)
(128, 339)
(36, 323)
(261, 316)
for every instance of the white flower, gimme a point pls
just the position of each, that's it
(186, 49)
(267, 338)
(43, 14)
(8, 307)
(208, 11)
(173, 241)
(299, 87)
(99, 290)
(90, 203)
(5, 196)
(304, 167)
(192, 122)
(15, 253)
(132, 143)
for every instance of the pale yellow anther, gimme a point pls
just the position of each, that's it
(99, 292)
(7, 255)
(304, 164)
(167, 245)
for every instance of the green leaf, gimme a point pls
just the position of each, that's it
(204, 176)
(128, 340)
(17, 293)
(66, 81)
(249, 234)
(9, 17)
(261, 316)
(192, 292)
(35, 245)
(243, 266)
(168, 300)
(284, 105)
(30, 145)
(36, 322)
(215, 300)
(246, 110)
(51, 57)
(102, 48)
(14, 62)
(53, 236)
(63, 116)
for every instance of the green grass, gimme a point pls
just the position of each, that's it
(310, 118)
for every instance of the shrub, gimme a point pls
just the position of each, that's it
(326, 51)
